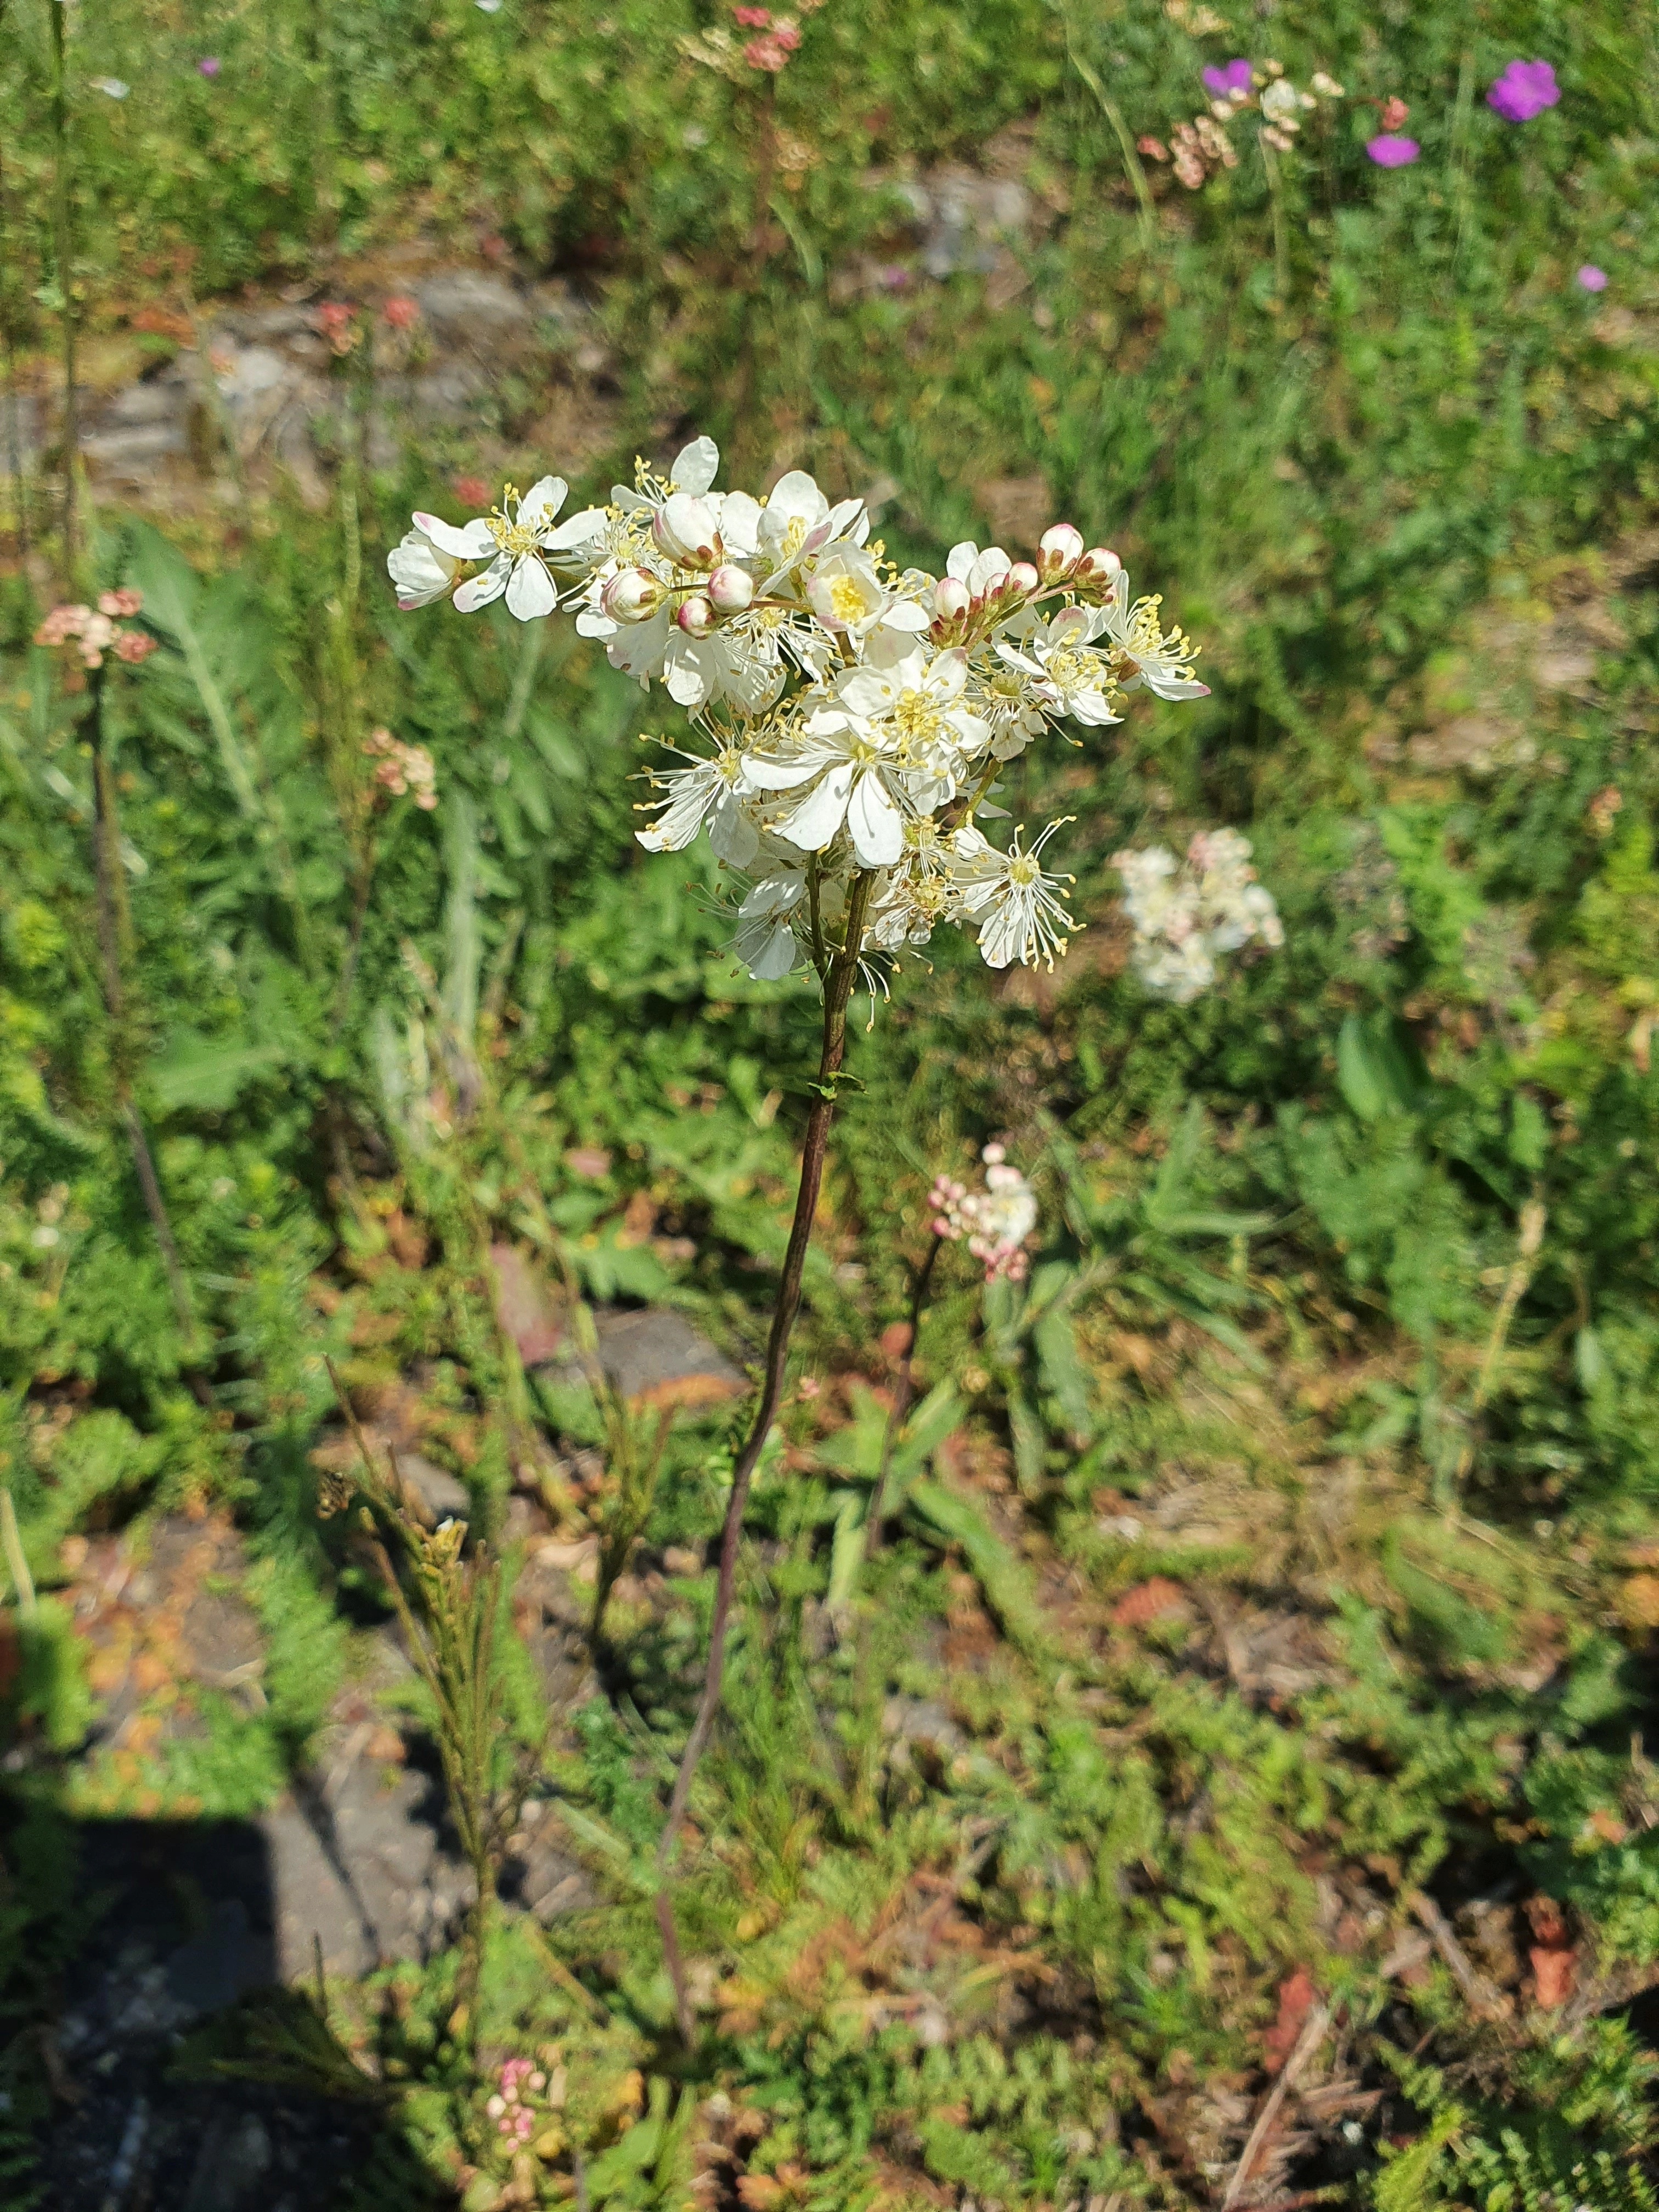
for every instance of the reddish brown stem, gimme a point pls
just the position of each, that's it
(838, 990)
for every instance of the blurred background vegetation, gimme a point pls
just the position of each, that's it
(1281, 1562)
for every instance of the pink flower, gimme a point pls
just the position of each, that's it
(1524, 90)
(336, 322)
(1393, 112)
(133, 645)
(472, 491)
(1592, 278)
(752, 19)
(1391, 153)
(1234, 77)
(786, 36)
(208, 66)
(119, 603)
(766, 54)
(401, 311)
(1153, 148)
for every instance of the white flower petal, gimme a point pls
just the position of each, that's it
(695, 465)
(474, 541)
(530, 594)
(420, 574)
(815, 818)
(769, 773)
(542, 502)
(1002, 934)
(739, 526)
(732, 836)
(479, 591)
(766, 949)
(586, 528)
(875, 823)
(904, 614)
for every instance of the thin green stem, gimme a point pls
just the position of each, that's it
(1114, 114)
(114, 930)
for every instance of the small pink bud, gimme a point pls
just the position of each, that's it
(632, 595)
(730, 588)
(1022, 578)
(1061, 548)
(694, 616)
(1098, 566)
(951, 598)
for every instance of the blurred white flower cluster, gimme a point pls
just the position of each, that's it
(995, 1221)
(1185, 912)
(852, 718)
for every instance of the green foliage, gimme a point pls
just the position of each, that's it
(1284, 1341)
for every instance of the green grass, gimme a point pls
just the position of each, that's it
(1384, 458)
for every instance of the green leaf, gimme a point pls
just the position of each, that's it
(208, 1075)
(1378, 1068)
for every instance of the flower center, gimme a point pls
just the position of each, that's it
(1071, 670)
(918, 720)
(512, 537)
(845, 598)
(1023, 870)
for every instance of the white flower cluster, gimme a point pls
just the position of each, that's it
(995, 1221)
(853, 717)
(1185, 912)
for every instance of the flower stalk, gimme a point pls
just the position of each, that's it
(837, 991)
(63, 238)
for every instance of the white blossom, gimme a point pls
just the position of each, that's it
(995, 1222)
(1185, 912)
(849, 720)
(1019, 906)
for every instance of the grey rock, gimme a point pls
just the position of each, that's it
(134, 453)
(444, 1498)
(449, 394)
(470, 307)
(251, 372)
(653, 1350)
(165, 400)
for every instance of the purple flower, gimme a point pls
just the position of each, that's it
(1592, 278)
(1234, 77)
(208, 66)
(1524, 90)
(1390, 152)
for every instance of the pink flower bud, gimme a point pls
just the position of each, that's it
(684, 529)
(1061, 548)
(1098, 566)
(730, 588)
(632, 595)
(951, 598)
(1022, 578)
(694, 616)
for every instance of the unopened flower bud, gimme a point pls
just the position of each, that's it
(1098, 566)
(632, 595)
(684, 529)
(1060, 549)
(694, 616)
(951, 598)
(1022, 578)
(730, 588)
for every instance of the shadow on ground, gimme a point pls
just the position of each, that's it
(158, 2063)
